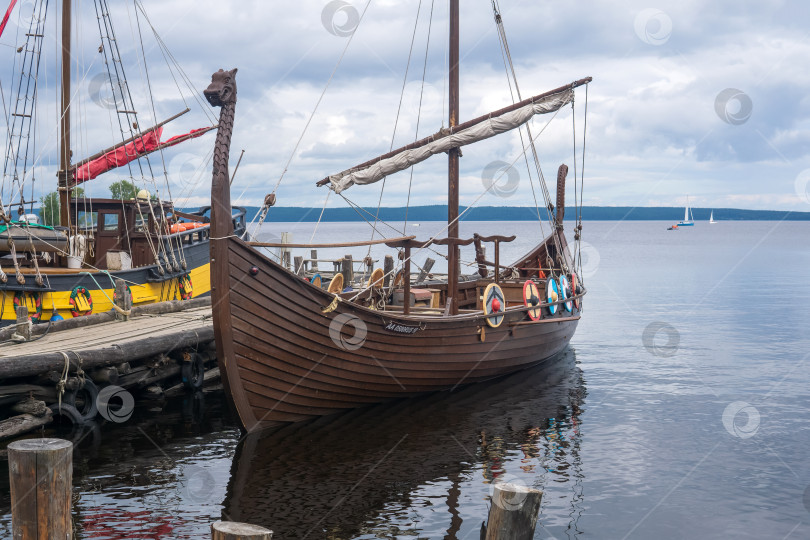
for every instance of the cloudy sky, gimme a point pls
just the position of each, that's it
(686, 99)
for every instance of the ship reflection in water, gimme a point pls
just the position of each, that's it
(420, 467)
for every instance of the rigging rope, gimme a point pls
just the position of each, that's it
(504, 46)
(167, 55)
(468, 208)
(419, 114)
(311, 116)
(581, 188)
(396, 120)
(541, 177)
(179, 244)
(320, 98)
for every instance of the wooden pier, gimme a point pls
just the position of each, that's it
(148, 333)
(59, 368)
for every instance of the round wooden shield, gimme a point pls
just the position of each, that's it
(376, 279)
(574, 285)
(336, 285)
(565, 289)
(494, 302)
(317, 281)
(531, 297)
(552, 294)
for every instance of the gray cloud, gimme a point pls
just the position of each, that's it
(653, 131)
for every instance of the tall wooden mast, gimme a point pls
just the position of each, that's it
(64, 124)
(452, 168)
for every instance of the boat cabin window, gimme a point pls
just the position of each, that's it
(109, 222)
(86, 220)
(141, 222)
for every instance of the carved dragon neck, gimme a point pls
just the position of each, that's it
(222, 93)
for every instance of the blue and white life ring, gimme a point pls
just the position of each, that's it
(565, 290)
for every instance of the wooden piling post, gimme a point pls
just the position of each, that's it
(299, 265)
(423, 273)
(313, 256)
(406, 275)
(513, 513)
(497, 261)
(286, 238)
(41, 478)
(122, 300)
(388, 268)
(23, 326)
(347, 269)
(231, 530)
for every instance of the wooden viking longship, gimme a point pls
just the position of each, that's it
(290, 350)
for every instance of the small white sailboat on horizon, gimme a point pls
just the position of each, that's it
(687, 216)
(711, 217)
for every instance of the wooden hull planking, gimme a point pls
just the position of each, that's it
(285, 360)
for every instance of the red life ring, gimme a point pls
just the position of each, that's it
(19, 300)
(73, 295)
(185, 286)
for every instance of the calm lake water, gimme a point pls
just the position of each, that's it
(679, 411)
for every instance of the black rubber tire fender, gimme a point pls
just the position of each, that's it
(89, 409)
(193, 372)
(67, 411)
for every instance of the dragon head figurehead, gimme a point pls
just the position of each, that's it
(222, 89)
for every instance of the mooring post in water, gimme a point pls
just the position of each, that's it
(41, 477)
(286, 238)
(231, 530)
(298, 262)
(347, 269)
(122, 299)
(513, 513)
(425, 271)
(388, 268)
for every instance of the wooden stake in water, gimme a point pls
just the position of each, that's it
(513, 513)
(41, 477)
(231, 530)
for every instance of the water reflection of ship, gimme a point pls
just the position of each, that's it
(338, 476)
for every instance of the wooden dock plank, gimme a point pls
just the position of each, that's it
(106, 334)
(109, 342)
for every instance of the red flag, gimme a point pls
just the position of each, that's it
(6, 16)
(118, 157)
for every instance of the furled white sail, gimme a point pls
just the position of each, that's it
(484, 130)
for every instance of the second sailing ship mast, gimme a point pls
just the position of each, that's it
(452, 165)
(64, 173)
